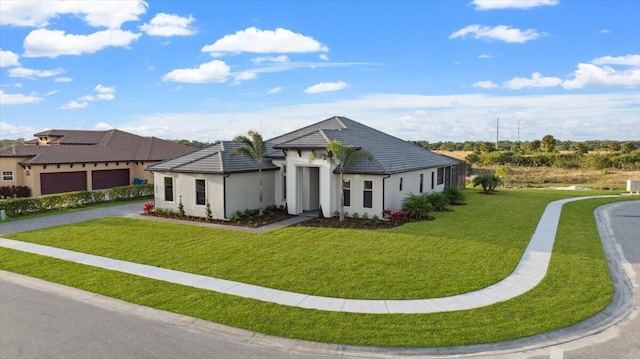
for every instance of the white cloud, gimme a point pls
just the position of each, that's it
(8, 58)
(17, 99)
(593, 75)
(605, 31)
(51, 93)
(105, 93)
(627, 60)
(10, 131)
(110, 14)
(53, 43)
(261, 59)
(18, 84)
(63, 79)
(611, 115)
(32, 74)
(500, 32)
(324, 57)
(169, 25)
(486, 56)
(72, 105)
(274, 90)
(86, 98)
(215, 71)
(485, 84)
(511, 4)
(102, 126)
(264, 41)
(536, 80)
(326, 87)
(244, 76)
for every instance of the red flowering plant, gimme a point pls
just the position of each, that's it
(148, 207)
(393, 216)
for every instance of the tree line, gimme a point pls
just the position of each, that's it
(546, 144)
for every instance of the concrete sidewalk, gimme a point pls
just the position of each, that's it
(530, 271)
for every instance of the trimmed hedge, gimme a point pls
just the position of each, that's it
(21, 206)
(14, 191)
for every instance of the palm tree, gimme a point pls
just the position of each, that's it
(342, 157)
(253, 148)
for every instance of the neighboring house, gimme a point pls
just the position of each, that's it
(70, 160)
(229, 182)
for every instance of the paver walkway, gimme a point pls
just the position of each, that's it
(530, 271)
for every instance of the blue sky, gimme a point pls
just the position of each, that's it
(420, 70)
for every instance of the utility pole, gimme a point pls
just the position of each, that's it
(497, 131)
(518, 132)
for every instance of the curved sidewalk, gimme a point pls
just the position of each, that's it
(530, 271)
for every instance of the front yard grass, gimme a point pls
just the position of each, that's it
(478, 238)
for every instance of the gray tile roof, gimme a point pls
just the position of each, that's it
(218, 158)
(95, 146)
(390, 154)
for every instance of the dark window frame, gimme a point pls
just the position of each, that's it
(440, 175)
(421, 182)
(201, 196)
(433, 180)
(168, 189)
(367, 194)
(346, 192)
(400, 186)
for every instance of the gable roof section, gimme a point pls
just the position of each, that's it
(390, 154)
(218, 158)
(72, 146)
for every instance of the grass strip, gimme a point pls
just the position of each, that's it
(460, 251)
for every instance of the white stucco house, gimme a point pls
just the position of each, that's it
(229, 182)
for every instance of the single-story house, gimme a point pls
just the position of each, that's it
(72, 160)
(229, 182)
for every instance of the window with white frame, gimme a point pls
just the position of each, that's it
(346, 192)
(200, 192)
(7, 175)
(284, 182)
(367, 195)
(433, 180)
(421, 182)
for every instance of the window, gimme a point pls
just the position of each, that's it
(441, 175)
(346, 192)
(168, 189)
(421, 182)
(7, 175)
(284, 182)
(400, 187)
(367, 195)
(200, 192)
(433, 179)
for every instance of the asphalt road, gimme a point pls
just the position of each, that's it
(41, 324)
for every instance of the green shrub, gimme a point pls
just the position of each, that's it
(207, 211)
(488, 181)
(454, 195)
(438, 201)
(355, 215)
(416, 206)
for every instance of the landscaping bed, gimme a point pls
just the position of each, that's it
(246, 219)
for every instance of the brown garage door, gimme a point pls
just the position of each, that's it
(63, 182)
(109, 178)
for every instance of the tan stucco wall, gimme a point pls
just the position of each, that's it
(30, 175)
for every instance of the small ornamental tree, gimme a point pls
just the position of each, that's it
(253, 148)
(489, 182)
(342, 157)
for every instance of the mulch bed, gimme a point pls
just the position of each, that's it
(358, 223)
(272, 216)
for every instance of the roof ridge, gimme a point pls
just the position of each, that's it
(324, 135)
(106, 138)
(340, 121)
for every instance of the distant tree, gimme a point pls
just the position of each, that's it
(579, 148)
(627, 147)
(253, 148)
(195, 144)
(483, 147)
(343, 157)
(548, 144)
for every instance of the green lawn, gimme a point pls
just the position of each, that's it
(483, 239)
